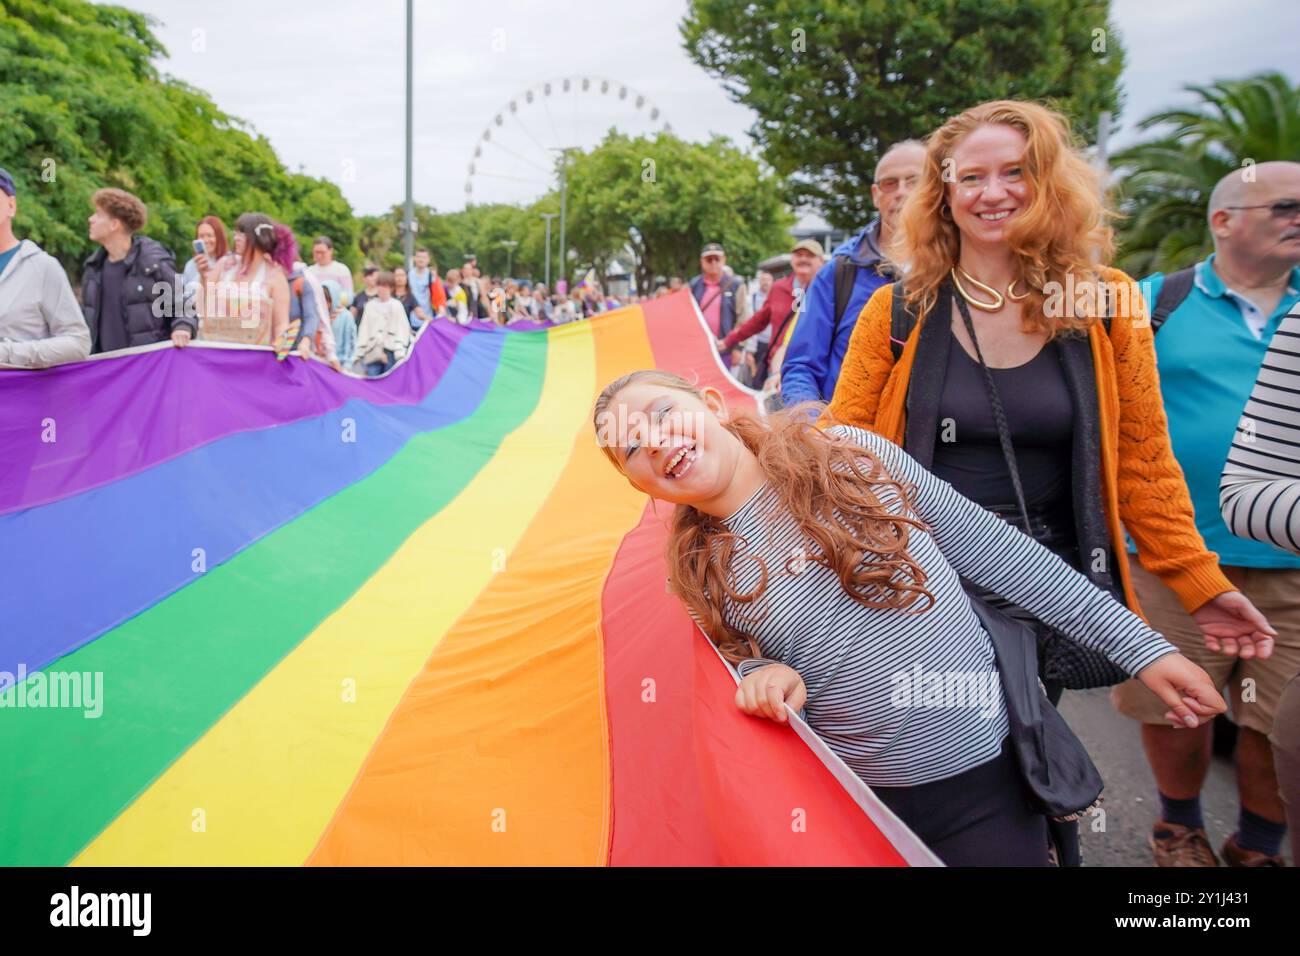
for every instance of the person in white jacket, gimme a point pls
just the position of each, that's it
(40, 321)
(384, 335)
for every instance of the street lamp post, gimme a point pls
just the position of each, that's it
(510, 254)
(548, 216)
(408, 224)
(564, 202)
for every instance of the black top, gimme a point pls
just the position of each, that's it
(112, 324)
(1040, 414)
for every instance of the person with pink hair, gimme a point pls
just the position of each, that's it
(309, 329)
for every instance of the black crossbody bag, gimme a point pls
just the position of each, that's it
(1061, 779)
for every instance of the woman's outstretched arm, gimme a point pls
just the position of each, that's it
(987, 551)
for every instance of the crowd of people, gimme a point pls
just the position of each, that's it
(1110, 463)
(246, 284)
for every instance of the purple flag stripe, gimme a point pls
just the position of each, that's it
(62, 431)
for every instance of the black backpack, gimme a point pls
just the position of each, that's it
(1176, 288)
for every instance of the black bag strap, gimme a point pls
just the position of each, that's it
(901, 322)
(779, 331)
(999, 414)
(1176, 288)
(846, 274)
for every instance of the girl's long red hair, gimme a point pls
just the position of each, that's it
(1064, 230)
(828, 485)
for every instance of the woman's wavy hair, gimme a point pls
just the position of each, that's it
(259, 234)
(1064, 230)
(829, 486)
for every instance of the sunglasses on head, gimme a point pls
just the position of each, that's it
(1282, 209)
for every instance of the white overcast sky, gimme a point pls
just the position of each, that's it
(325, 81)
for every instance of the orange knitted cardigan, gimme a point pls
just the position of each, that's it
(1142, 483)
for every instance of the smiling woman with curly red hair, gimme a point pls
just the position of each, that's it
(1056, 223)
(1012, 362)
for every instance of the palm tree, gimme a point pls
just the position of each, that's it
(1166, 182)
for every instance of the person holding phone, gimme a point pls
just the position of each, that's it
(210, 244)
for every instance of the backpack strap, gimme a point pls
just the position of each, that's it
(846, 274)
(901, 322)
(1176, 288)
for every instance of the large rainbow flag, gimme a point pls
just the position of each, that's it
(295, 617)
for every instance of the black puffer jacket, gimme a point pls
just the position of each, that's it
(149, 314)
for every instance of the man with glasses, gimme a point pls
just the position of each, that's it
(1209, 345)
(820, 336)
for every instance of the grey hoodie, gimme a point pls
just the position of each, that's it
(40, 322)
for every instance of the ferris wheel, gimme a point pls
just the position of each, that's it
(515, 156)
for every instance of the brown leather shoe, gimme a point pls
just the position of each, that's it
(1176, 845)
(1234, 855)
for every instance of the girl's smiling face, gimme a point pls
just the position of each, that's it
(671, 444)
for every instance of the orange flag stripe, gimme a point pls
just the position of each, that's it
(498, 752)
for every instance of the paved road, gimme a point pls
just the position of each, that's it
(1130, 795)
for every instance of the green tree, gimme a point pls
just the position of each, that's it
(485, 229)
(661, 198)
(450, 237)
(378, 235)
(82, 106)
(1166, 182)
(835, 82)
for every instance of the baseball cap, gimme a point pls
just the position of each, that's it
(713, 247)
(7, 183)
(809, 245)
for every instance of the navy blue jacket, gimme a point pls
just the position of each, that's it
(729, 286)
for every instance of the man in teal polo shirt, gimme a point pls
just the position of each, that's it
(1209, 350)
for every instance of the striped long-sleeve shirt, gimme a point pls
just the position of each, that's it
(906, 698)
(1260, 490)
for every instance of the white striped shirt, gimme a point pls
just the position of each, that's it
(894, 708)
(1260, 490)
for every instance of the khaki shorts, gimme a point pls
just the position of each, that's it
(1251, 687)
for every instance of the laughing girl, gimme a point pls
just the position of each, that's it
(825, 564)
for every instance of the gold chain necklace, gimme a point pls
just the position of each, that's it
(988, 290)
